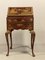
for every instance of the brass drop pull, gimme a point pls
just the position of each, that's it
(19, 25)
(31, 19)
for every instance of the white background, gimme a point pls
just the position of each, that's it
(39, 20)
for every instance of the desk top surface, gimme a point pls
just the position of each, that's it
(20, 11)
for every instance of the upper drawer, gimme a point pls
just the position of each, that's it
(20, 19)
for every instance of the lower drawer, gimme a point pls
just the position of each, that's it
(20, 26)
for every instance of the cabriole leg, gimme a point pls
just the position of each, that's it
(32, 42)
(11, 40)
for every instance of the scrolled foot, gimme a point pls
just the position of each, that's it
(10, 47)
(33, 55)
(6, 35)
(7, 54)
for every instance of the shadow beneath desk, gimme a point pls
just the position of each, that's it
(19, 49)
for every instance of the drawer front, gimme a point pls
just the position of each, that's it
(20, 19)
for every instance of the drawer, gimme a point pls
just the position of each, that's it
(20, 19)
(15, 21)
(20, 26)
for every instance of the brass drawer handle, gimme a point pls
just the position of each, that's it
(23, 20)
(31, 19)
(15, 20)
(19, 24)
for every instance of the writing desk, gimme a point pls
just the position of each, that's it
(20, 18)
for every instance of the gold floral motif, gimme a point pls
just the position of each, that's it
(20, 11)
